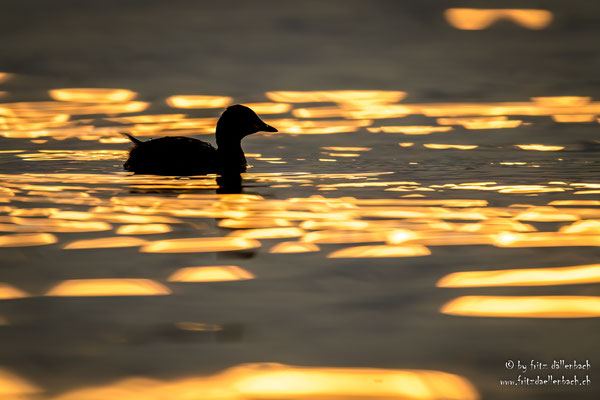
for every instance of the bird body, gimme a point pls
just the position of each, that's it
(178, 155)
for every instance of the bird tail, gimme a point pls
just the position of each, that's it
(131, 137)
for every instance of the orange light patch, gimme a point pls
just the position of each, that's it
(27, 239)
(268, 233)
(574, 118)
(279, 381)
(524, 306)
(478, 19)
(411, 130)
(269, 108)
(588, 227)
(347, 148)
(143, 229)
(337, 96)
(199, 101)
(200, 245)
(524, 277)
(294, 247)
(413, 250)
(108, 287)
(562, 101)
(13, 387)
(9, 292)
(450, 146)
(543, 239)
(93, 95)
(210, 274)
(106, 243)
(539, 147)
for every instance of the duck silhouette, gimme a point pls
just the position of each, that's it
(178, 155)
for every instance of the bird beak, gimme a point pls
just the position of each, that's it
(267, 128)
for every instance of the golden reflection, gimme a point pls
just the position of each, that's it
(498, 122)
(296, 127)
(347, 148)
(199, 101)
(410, 130)
(210, 274)
(524, 306)
(143, 229)
(79, 155)
(294, 247)
(9, 292)
(340, 236)
(539, 147)
(199, 245)
(43, 109)
(115, 217)
(4, 76)
(92, 95)
(524, 277)
(574, 118)
(545, 214)
(409, 250)
(481, 18)
(269, 108)
(48, 225)
(338, 96)
(148, 119)
(562, 101)
(27, 239)
(13, 387)
(104, 243)
(450, 146)
(254, 223)
(108, 287)
(543, 239)
(406, 144)
(279, 381)
(268, 233)
(589, 227)
(574, 203)
(343, 154)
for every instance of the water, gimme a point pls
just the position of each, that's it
(427, 215)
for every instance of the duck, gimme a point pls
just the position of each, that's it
(184, 156)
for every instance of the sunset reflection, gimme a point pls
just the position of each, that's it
(199, 101)
(93, 95)
(339, 214)
(9, 292)
(210, 274)
(477, 19)
(277, 381)
(524, 277)
(524, 306)
(108, 287)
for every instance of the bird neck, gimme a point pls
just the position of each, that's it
(230, 155)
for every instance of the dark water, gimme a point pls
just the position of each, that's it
(428, 213)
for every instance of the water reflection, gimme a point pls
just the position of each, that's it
(15, 387)
(277, 381)
(93, 95)
(108, 287)
(405, 204)
(210, 274)
(524, 306)
(10, 292)
(481, 18)
(199, 101)
(524, 277)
